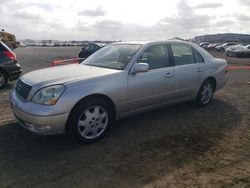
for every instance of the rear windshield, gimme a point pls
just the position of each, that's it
(3, 47)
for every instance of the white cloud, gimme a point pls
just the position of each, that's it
(245, 3)
(208, 6)
(92, 13)
(125, 20)
(27, 16)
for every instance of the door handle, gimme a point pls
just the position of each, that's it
(168, 75)
(200, 69)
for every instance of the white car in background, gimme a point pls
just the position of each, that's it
(238, 51)
(223, 47)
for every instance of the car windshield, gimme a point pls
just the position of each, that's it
(113, 56)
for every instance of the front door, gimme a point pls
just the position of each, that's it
(155, 86)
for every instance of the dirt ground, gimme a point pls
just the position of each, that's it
(178, 146)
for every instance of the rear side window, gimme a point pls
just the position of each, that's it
(198, 57)
(97, 47)
(156, 56)
(87, 47)
(92, 47)
(182, 54)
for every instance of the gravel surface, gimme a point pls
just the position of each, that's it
(177, 146)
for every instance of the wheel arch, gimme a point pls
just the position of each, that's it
(5, 72)
(211, 78)
(100, 96)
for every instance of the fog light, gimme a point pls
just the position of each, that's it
(39, 128)
(42, 128)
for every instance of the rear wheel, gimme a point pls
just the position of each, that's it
(206, 93)
(90, 120)
(3, 79)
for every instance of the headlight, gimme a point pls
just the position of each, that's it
(48, 95)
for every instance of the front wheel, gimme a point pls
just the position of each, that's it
(206, 93)
(90, 120)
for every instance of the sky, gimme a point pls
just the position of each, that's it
(122, 20)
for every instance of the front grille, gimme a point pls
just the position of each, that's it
(22, 89)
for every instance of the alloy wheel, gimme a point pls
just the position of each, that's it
(92, 122)
(207, 93)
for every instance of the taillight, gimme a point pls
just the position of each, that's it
(10, 55)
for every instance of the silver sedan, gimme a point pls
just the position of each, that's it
(121, 79)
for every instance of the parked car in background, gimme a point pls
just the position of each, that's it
(223, 47)
(204, 45)
(117, 81)
(248, 46)
(89, 49)
(9, 68)
(212, 46)
(238, 51)
(22, 45)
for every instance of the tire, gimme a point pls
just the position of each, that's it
(3, 79)
(90, 120)
(205, 94)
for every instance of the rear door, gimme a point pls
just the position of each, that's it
(189, 70)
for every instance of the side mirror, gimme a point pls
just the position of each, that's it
(140, 67)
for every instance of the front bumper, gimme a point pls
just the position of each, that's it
(38, 124)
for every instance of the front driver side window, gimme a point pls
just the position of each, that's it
(156, 56)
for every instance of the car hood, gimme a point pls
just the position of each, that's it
(65, 73)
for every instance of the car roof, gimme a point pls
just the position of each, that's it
(132, 42)
(153, 42)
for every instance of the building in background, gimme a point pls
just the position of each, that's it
(223, 38)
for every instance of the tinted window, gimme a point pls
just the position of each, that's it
(87, 47)
(198, 57)
(97, 47)
(92, 47)
(156, 56)
(183, 54)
